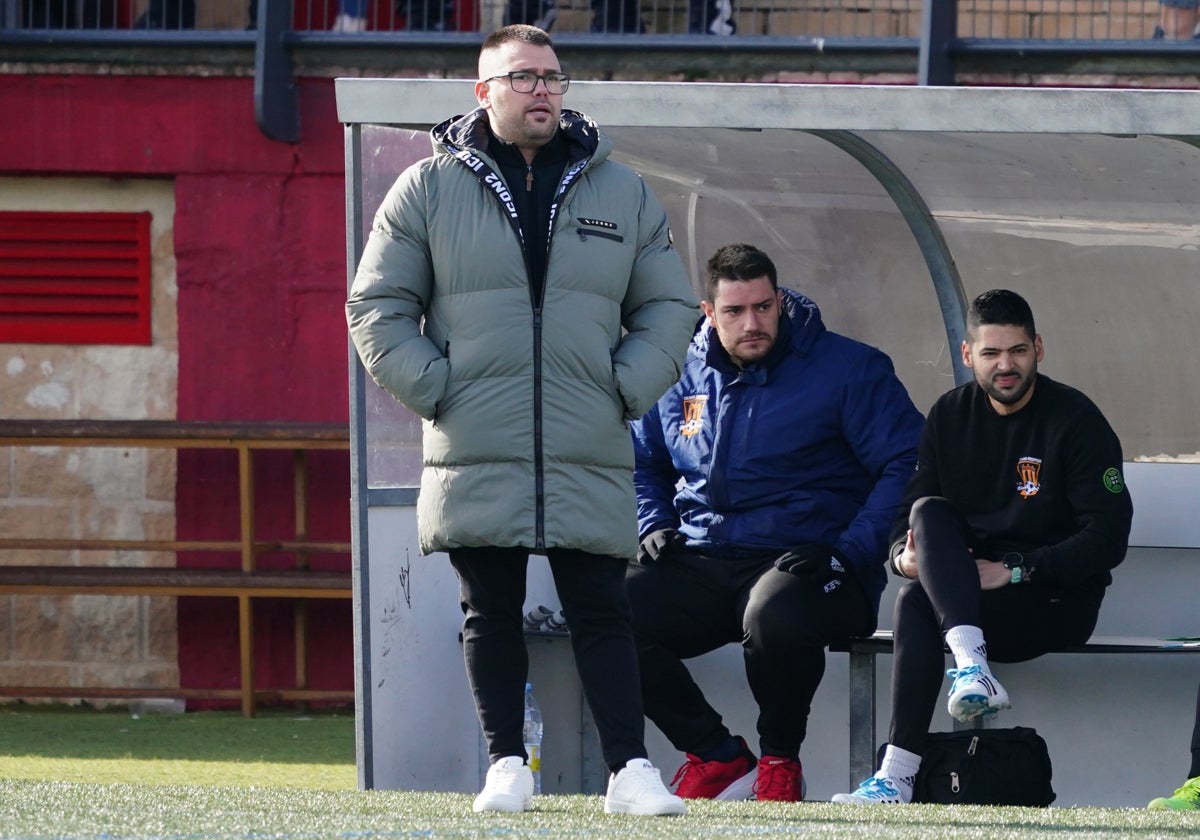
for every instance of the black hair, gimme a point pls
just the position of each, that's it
(737, 261)
(1001, 307)
(516, 32)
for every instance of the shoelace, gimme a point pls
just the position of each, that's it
(693, 773)
(780, 780)
(877, 788)
(1190, 791)
(964, 673)
(643, 781)
(693, 764)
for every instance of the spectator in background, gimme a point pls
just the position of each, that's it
(352, 16)
(45, 14)
(539, 13)
(1177, 20)
(767, 480)
(711, 17)
(417, 15)
(527, 347)
(167, 15)
(617, 16)
(1187, 798)
(1009, 530)
(427, 15)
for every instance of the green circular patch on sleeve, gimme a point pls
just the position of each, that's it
(1113, 480)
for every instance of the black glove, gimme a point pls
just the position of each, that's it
(657, 543)
(820, 562)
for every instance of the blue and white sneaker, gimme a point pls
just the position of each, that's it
(975, 692)
(877, 790)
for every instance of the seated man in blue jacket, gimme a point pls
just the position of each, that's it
(767, 479)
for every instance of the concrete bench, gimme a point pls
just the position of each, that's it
(863, 712)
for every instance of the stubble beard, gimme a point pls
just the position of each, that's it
(1010, 397)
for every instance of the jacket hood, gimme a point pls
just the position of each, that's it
(471, 131)
(799, 328)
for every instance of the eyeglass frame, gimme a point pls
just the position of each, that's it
(537, 77)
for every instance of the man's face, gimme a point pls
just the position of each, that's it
(745, 314)
(1005, 361)
(527, 119)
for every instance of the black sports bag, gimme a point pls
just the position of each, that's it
(985, 767)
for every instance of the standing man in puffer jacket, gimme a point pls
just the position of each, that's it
(520, 292)
(767, 480)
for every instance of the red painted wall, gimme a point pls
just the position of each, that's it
(259, 245)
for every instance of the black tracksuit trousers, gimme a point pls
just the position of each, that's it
(687, 604)
(1019, 622)
(592, 591)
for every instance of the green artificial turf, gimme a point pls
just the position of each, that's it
(276, 749)
(37, 810)
(88, 775)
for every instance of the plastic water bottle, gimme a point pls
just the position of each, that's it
(533, 737)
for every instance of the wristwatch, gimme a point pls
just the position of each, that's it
(1014, 561)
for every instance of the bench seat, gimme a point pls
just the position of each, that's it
(863, 711)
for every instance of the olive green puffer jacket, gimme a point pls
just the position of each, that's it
(525, 404)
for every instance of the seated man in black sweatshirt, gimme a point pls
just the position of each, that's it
(1008, 532)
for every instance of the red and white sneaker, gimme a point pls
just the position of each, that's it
(779, 780)
(723, 780)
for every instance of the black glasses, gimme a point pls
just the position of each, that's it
(522, 81)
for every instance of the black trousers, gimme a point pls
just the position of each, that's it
(688, 604)
(1019, 622)
(591, 589)
(617, 16)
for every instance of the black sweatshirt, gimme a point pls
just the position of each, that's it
(1046, 481)
(533, 187)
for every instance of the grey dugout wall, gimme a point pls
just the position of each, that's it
(891, 207)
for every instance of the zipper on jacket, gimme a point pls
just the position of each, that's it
(722, 444)
(567, 181)
(539, 479)
(584, 234)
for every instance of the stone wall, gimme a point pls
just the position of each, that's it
(95, 493)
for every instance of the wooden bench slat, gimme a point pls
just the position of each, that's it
(259, 546)
(187, 432)
(243, 439)
(287, 695)
(173, 580)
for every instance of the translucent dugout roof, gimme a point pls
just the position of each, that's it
(891, 208)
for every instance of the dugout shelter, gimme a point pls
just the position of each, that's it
(891, 207)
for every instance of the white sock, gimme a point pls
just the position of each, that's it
(900, 766)
(966, 643)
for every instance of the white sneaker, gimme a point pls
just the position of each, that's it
(877, 790)
(975, 692)
(349, 23)
(638, 789)
(509, 786)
